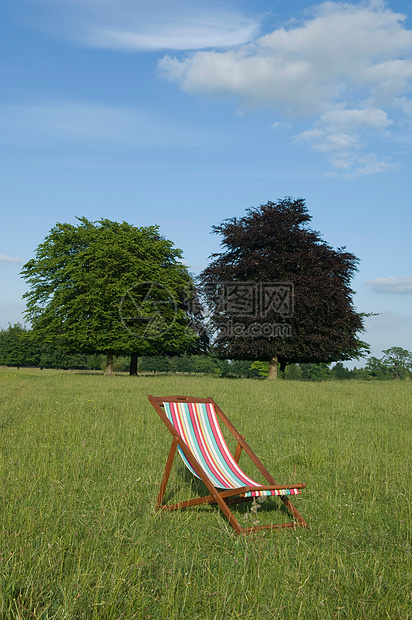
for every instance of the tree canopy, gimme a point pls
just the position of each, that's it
(398, 361)
(278, 292)
(109, 287)
(16, 347)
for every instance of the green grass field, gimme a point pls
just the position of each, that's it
(82, 458)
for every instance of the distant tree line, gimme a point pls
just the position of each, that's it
(18, 348)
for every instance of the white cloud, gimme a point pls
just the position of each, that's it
(140, 25)
(371, 164)
(344, 119)
(189, 33)
(281, 125)
(345, 69)
(305, 69)
(341, 134)
(388, 286)
(327, 141)
(11, 259)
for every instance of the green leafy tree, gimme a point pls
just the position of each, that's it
(360, 374)
(243, 368)
(155, 363)
(293, 372)
(121, 363)
(377, 369)
(398, 361)
(58, 358)
(184, 364)
(112, 288)
(340, 372)
(261, 368)
(16, 347)
(318, 372)
(205, 364)
(272, 258)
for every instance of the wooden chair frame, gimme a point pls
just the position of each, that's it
(225, 497)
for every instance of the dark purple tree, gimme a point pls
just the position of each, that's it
(279, 293)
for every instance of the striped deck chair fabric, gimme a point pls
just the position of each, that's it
(198, 426)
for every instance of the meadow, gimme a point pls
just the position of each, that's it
(82, 457)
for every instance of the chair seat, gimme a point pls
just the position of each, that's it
(198, 426)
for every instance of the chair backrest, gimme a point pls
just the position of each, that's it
(198, 426)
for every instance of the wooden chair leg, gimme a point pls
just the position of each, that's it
(293, 511)
(166, 473)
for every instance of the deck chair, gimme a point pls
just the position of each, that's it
(194, 425)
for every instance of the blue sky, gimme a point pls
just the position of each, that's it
(183, 113)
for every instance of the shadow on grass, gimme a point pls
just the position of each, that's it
(196, 488)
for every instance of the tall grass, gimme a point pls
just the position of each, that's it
(81, 460)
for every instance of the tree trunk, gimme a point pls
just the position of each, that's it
(109, 363)
(273, 367)
(282, 367)
(133, 365)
